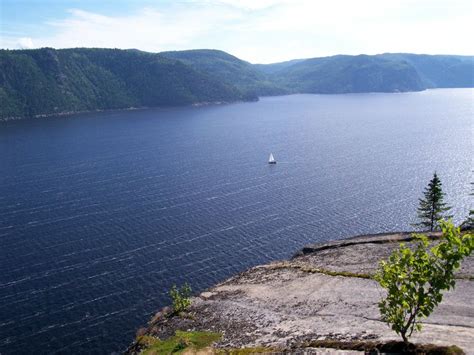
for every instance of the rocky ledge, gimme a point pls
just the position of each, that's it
(325, 293)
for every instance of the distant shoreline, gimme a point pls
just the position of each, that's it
(202, 104)
(50, 82)
(74, 113)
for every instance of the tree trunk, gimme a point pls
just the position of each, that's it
(405, 340)
(404, 336)
(432, 216)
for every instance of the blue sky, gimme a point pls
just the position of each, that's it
(260, 31)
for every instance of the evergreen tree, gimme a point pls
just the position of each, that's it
(469, 222)
(432, 207)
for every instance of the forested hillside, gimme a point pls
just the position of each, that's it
(389, 72)
(440, 71)
(48, 81)
(348, 74)
(229, 70)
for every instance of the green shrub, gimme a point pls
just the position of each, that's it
(181, 342)
(414, 279)
(181, 297)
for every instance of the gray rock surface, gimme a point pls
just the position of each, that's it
(286, 304)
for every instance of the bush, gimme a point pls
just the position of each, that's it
(414, 279)
(181, 297)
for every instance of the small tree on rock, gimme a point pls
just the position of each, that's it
(432, 207)
(416, 278)
(181, 298)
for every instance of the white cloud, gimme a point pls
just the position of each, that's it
(25, 43)
(148, 29)
(250, 5)
(272, 30)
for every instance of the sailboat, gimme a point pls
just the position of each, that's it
(271, 159)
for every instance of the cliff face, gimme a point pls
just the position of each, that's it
(325, 293)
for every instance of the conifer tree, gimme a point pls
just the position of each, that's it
(432, 207)
(469, 222)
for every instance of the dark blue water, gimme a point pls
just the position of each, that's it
(101, 213)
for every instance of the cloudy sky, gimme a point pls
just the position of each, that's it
(260, 31)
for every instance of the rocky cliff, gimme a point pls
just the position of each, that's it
(325, 296)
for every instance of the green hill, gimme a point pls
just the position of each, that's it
(440, 71)
(378, 73)
(349, 74)
(229, 70)
(276, 67)
(48, 81)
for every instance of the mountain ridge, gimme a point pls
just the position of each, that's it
(47, 81)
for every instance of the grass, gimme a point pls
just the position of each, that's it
(314, 270)
(179, 343)
(201, 342)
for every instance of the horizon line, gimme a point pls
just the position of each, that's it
(220, 50)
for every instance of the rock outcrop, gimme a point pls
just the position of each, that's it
(325, 292)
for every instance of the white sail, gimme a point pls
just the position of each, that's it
(271, 159)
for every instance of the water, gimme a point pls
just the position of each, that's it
(101, 214)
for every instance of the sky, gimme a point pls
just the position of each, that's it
(259, 31)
